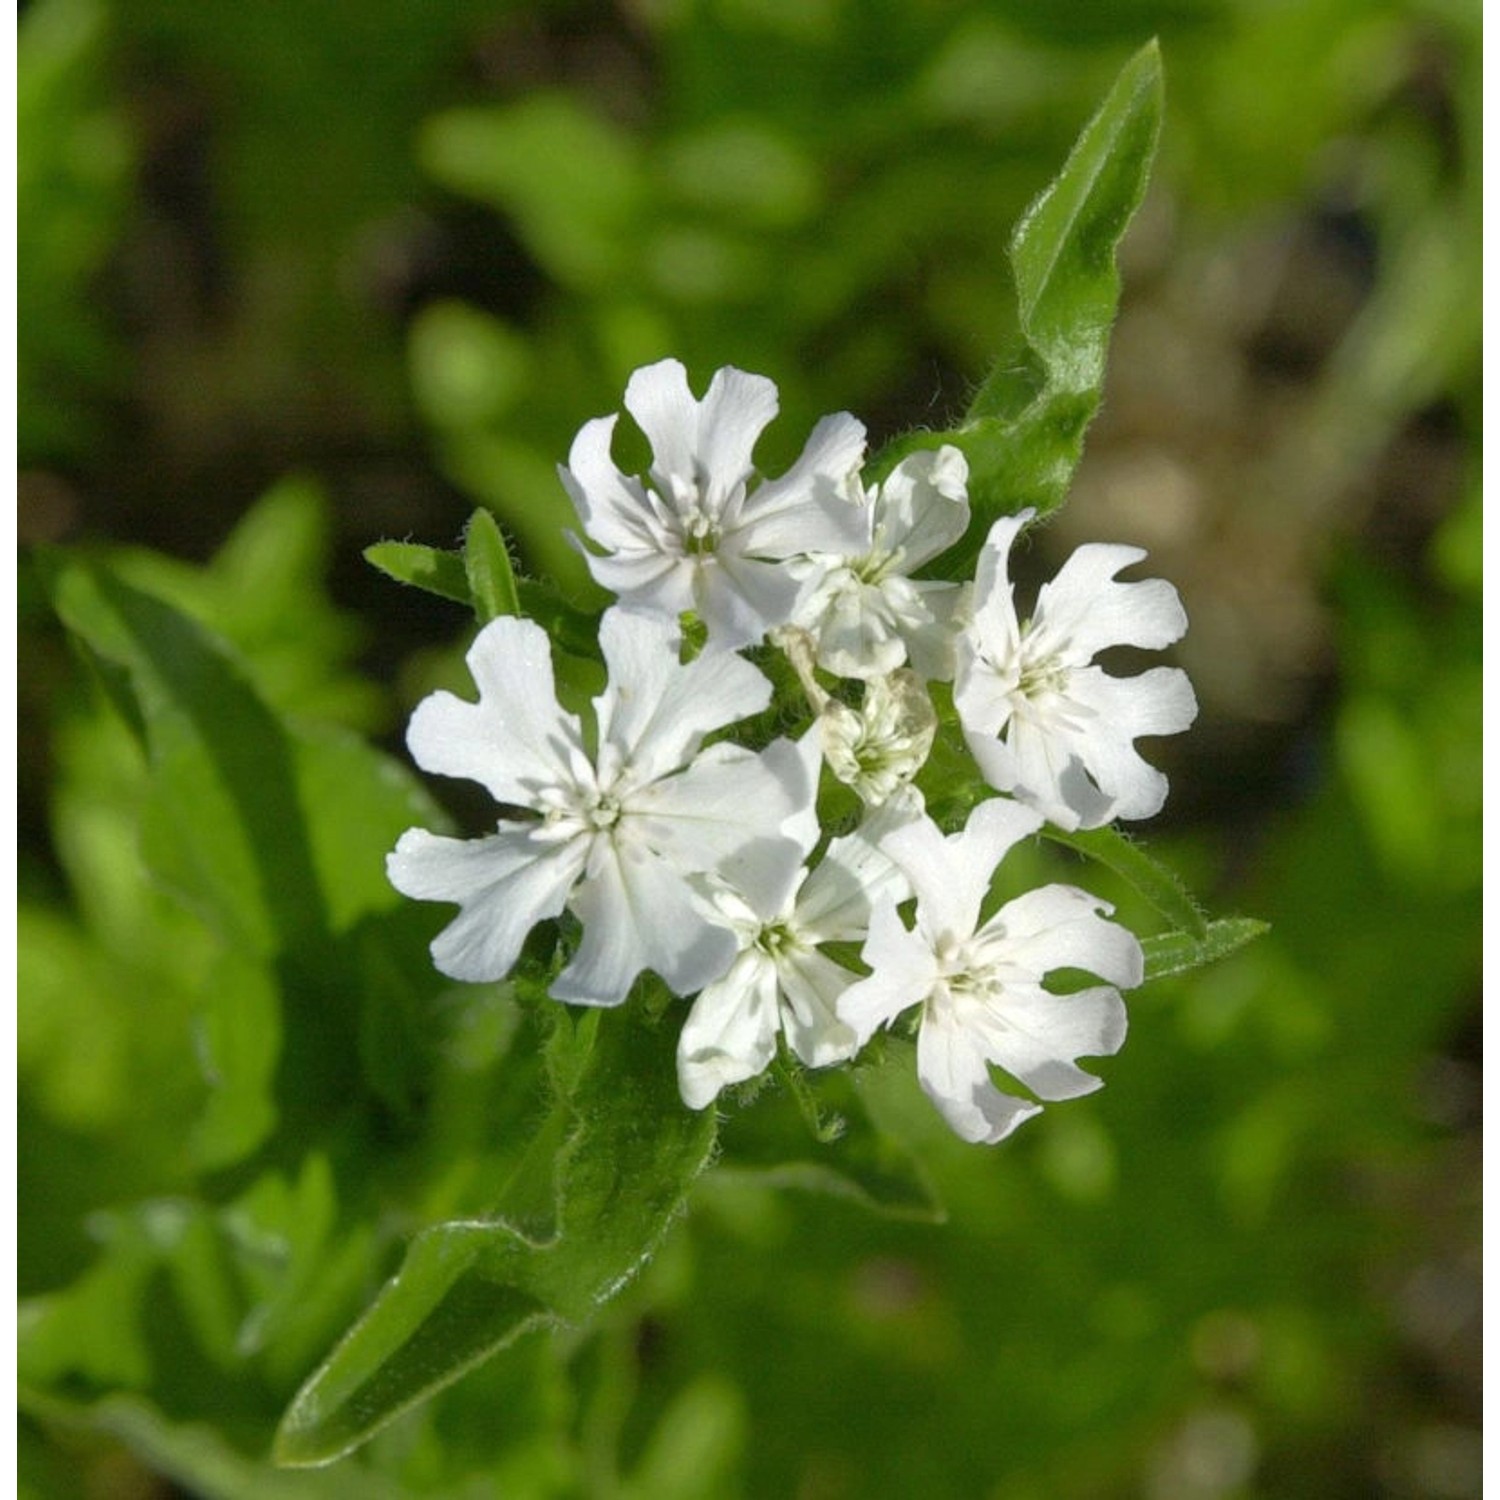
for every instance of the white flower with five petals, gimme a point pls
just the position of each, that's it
(1042, 721)
(867, 613)
(696, 533)
(616, 837)
(979, 983)
(781, 981)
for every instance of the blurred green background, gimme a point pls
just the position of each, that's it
(300, 275)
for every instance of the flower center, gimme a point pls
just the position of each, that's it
(1041, 677)
(967, 974)
(603, 813)
(878, 564)
(776, 938)
(700, 531)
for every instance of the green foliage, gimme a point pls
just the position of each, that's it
(1023, 432)
(262, 1140)
(1172, 953)
(605, 1175)
(73, 172)
(487, 567)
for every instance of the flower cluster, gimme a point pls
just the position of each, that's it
(706, 863)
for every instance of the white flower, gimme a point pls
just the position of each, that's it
(868, 614)
(1040, 719)
(694, 534)
(615, 838)
(880, 746)
(979, 984)
(780, 981)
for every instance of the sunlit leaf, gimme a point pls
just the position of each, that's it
(275, 837)
(1177, 952)
(1153, 880)
(492, 580)
(1023, 433)
(430, 568)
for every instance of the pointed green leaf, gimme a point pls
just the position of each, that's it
(1177, 952)
(429, 568)
(624, 1153)
(492, 580)
(1159, 885)
(1023, 433)
(274, 837)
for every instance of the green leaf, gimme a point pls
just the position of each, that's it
(264, 593)
(438, 572)
(198, 1457)
(821, 1136)
(1177, 952)
(1023, 433)
(572, 630)
(1159, 885)
(624, 1152)
(275, 837)
(492, 582)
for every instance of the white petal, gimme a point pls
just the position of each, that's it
(638, 913)
(1062, 927)
(811, 986)
(730, 1033)
(1160, 701)
(953, 1074)
(1042, 766)
(923, 505)
(505, 884)
(981, 694)
(858, 634)
(655, 711)
(659, 399)
(952, 875)
(931, 641)
(995, 626)
(657, 583)
(810, 508)
(1035, 1036)
(1082, 610)
(715, 814)
(902, 972)
(741, 598)
(735, 411)
(516, 739)
(798, 764)
(853, 877)
(614, 510)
